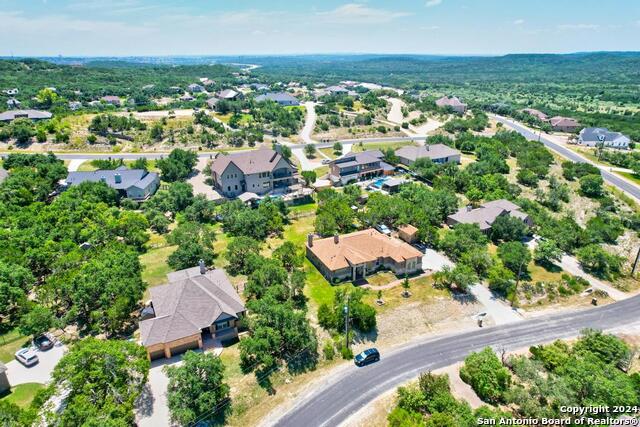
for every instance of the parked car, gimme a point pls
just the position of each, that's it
(43, 342)
(383, 229)
(370, 355)
(27, 356)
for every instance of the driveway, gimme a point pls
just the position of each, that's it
(305, 163)
(309, 123)
(40, 373)
(75, 164)
(395, 113)
(197, 181)
(570, 264)
(501, 312)
(435, 261)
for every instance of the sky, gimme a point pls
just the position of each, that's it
(276, 27)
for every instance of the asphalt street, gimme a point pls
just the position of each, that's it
(609, 177)
(334, 403)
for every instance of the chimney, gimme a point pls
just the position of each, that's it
(118, 178)
(427, 146)
(336, 238)
(203, 268)
(310, 240)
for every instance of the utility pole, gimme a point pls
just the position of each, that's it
(346, 323)
(635, 263)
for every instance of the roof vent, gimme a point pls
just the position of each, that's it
(118, 178)
(203, 267)
(336, 238)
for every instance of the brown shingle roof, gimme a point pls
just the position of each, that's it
(188, 303)
(359, 247)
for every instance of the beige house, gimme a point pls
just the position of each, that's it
(196, 303)
(408, 233)
(352, 256)
(452, 102)
(564, 124)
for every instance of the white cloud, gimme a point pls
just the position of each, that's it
(431, 3)
(430, 27)
(578, 26)
(355, 13)
(518, 22)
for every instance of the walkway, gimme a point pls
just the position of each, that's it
(309, 123)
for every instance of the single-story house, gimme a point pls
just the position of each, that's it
(186, 97)
(212, 102)
(564, 124)
(408, 233)
(591, 137)
(8, 116)
(352, 256)
(194, 88)
(136, 184)
(195, 303)
(228, 94)
(392, 185)
(536, 113)
(452, 102)
(438, 153)
(282, 98)
(487, 213)
(336, 90)
(112, 100)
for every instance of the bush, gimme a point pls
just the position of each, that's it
(329, 350)
(346, 353)
(484, 372)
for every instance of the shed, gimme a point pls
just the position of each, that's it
(408, 233)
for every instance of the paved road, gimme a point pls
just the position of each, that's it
(609, 177)
(334, 403)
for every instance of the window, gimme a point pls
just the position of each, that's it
(222, 325)
(228, 188)
(236, 187)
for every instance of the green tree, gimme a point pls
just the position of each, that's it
(310, 150)
(240, 253)
(547, 252)
(515, 256)
(595, 259)
(484, 372)
(189, 254)
(592, 185)
(103, 379)
(309, 177)
(197, 391)
(508, 228)
(37, 321)
(46, 97)
(178, 165)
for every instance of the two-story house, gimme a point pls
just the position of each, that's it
(255, 171)
(358, 166)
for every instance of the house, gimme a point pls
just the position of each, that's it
(195, 303)
(112, 100)
(259, 86)
(136, 184)
(75, 105)
(186, 97)
(212, 103)
(487, 213)
(392, 185)
(255, 171)
(13, 103)
(207, 81)
(453, 103)
(228, 94)
(591, 137)
(195, 88)
(352, 256)
(536, 113)
(336, 90)
(8, 116)
(564, 124)
(5, 386)
(408, 233)
(358, 166)
(282, 98)
(438, 153)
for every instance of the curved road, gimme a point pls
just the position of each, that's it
(334, 403)
(609, 177)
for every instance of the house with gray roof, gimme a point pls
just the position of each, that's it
(282, 98)
(358, 166)
(438, 153)
(136, 184)
(591, 137)
(228, 94)
(256, 171)
(195, 88)
(8, 116)
(487, 213)
(112, 100)
(212, 103)
(196, 303)
(337, 90)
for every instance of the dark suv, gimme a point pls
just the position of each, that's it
(43, 342)
(368, 356)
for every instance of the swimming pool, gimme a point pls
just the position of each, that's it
(378, 182)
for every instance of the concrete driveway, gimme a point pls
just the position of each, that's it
(435, 261)
(197, 181)
(40, 373)
(501, 312)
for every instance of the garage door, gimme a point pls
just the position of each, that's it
(184, 347)
(156, 354)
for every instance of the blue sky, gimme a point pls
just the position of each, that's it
(220, 27)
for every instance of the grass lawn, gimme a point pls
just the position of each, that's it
(86, 167)
(155, 265)
(23, 394)
(630, 176)
(321, 171)
(421, 290)
(11, 342)
(303, 209)
(539, 273)
(329, 152)
(380, 146)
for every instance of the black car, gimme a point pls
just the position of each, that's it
(43, 343)
(368, 356)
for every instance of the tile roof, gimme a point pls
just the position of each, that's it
(359, 247)
(190, 302)
(432, 151)
(249, 162)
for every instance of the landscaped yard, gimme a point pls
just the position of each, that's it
(23, 394)
(155, 265)
(11, 342)
(381, 146)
